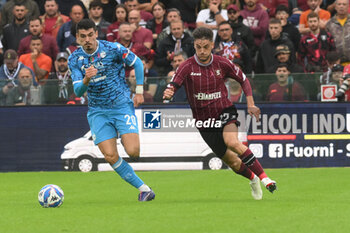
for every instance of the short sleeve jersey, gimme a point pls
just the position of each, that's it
(108, 88)
(205, 85)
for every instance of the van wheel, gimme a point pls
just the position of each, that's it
(212, 162)
(85, 163)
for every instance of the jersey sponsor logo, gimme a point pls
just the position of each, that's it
(80, 58)
(206, 96)
(103, 54)
(95, 80)
(195, 74)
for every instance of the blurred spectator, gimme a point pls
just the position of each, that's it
(58, 89)
(18, 29)
(151, 77)
(205, 3)
(8, 15)
(37, 61)
(159, 22)
(1, 53)
(180, 95)
(121, 16)
(9, 74)
(125, 39)
(264, 61)
(36, 29)
(256, 19)
(329, 5)
(109, 10)
(343, 93)
(144, 15)
(172, 15)
(287, 27)
(65, 7)
(52, 19)
(178, 40)
(285, 89)
(283, 56)
(22, 94)
(333, 59)
(339, 27)
(188, 10)
(64, 37)
(294, 18)
(315, 45)
(146, 5)
(270, 6)
(302, 4)
(95, 14)
(212, 16)
(140, 34)
(240, 31)
(230, 49)
(324, 16)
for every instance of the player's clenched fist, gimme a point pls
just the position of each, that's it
(90, 72)
(168, 93)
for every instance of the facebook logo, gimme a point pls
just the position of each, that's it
(152, 119)
(275, 150)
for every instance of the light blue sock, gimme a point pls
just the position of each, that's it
(126, 172)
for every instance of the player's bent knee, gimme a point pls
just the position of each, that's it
(111, 157)
(233, 144)
(133, 152)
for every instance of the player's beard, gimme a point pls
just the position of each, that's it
(204, 59)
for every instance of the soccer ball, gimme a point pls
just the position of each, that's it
(50, 196)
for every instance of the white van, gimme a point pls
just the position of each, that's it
(160, 150)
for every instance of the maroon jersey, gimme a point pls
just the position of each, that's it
(205, 85)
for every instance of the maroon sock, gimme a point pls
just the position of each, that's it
(252, 163)
(245, 171)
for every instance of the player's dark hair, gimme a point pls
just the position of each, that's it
(203, 33)
(85, 24)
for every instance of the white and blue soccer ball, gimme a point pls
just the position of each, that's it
(50, 196)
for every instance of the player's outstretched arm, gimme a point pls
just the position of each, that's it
(252, 109)
(168, 93)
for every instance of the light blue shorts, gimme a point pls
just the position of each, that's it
(107, 123)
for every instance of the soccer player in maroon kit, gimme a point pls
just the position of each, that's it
(203, 76)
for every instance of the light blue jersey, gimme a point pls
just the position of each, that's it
(111, 109)
(108, 88)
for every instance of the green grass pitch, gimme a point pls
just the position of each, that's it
(307, 200)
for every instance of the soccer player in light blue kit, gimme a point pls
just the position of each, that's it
(98, 68)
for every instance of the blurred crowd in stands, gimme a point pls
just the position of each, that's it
(287, 48)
